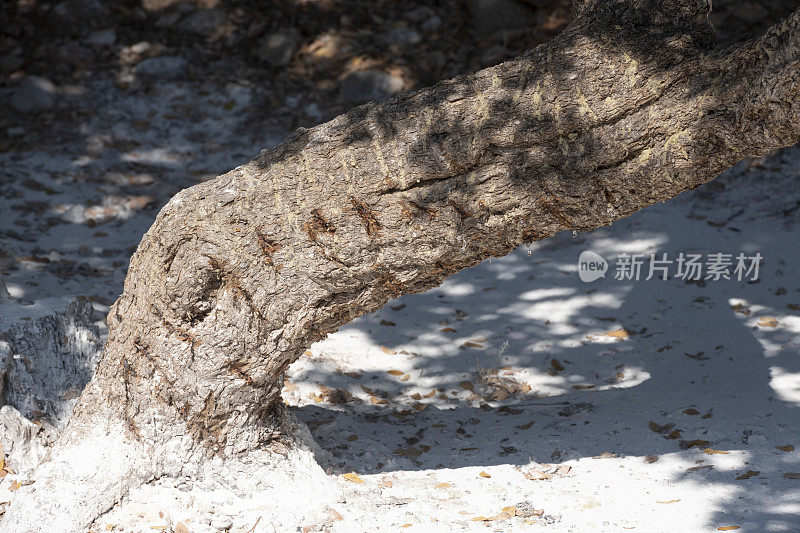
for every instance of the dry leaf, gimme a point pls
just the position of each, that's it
(405, 377)
(443, 485)
(448, 330)
(525, 426)
(659, 428)
(791, 475)
(582, 387)
(748, 474)
(15, 485)
(510, 510)
(484, 474)
(692, 443)
(537, 475)
(481, 519)
(181, 528)
(618, 333)
(691, 412)
(727, 528)
(395, 372)
(352, 477)
(767, 322)
(468, 386)
(419, 406)
(386, 350)
(470, 344)
(711, 451)
(352, 438)
(556, 364)
(787, 448)
(606, 455)
(378, 401)
(430, 394)
(671, 501)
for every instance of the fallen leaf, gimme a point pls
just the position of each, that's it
(659, 428)
(395, 372)
(791, 475)
(701, 468)
(650, 458)
(691, 412)
(556, 364)
(537, 475)
(352, 438)
(711, 451)
(671, 501)
(525, 426)
(484, 474)
(606, 455)
(386, 350)
(748, 474)
(387, 323)
(378, 401)
(352, 477)
(470, 344)
(448, 330)
(467, 385)
(786, 448)
(430, 394)
(419, 406)
(443, 485)
(620, 333)
(692, 443)
(581, 387)
(510, 510)
(481, 519)
(767, 322)
(15, 485)
(727, 528)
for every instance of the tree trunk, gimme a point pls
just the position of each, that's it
(629, 106)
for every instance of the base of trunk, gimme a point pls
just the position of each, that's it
(90, 470)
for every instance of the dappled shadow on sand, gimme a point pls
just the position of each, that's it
(696, 366)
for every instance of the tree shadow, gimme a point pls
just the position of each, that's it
(697, 371)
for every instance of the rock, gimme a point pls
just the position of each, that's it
(105, 37)
(203, 22)
(432, 24)
(490, 16)
(165, 67)
(366, 85)
(277, 48)
(48, 352)
(402, 37)
(11, 62)
(79, 11)
(34, 95)
(72, 53)
(421, 14)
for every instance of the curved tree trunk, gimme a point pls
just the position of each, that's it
(238, 276)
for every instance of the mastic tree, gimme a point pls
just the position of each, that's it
(630, 105)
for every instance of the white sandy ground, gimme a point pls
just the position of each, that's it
(400, 397)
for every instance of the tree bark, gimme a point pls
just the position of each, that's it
(629, 106)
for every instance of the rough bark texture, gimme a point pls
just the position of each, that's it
(629, 106)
